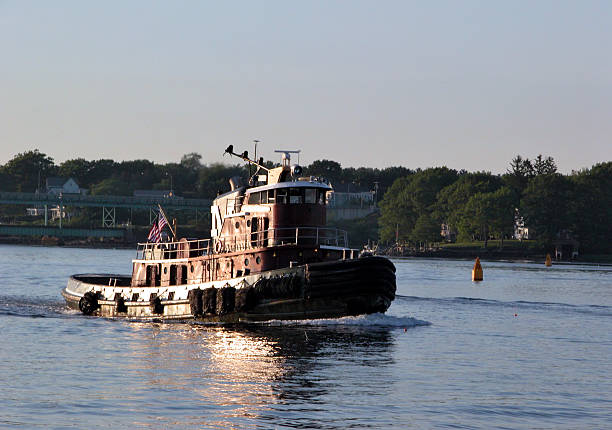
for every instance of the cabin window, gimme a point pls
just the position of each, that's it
(321, 196)
(258, 260)
(246, 261)
(254, 198)
(296, 195)
(271, 196)
(237, 225)
(264, 197)
(310, 195)
(282, 196)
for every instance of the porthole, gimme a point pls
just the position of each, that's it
(165, 270)
(258, 260)
(237, 225)
(192, 269)
(246, 261)
(248, 223)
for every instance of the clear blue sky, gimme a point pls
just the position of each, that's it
(376, 83)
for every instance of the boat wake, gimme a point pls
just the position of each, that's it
(377, 320)
(31, 308)
(600, 310)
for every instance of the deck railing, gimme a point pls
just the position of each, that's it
(265, 238)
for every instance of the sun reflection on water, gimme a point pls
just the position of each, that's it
(237, 375)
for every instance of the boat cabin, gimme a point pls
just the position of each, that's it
(275, 221)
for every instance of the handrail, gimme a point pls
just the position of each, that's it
(264, 238)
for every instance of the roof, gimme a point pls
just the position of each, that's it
(291, 184)
(56, 181)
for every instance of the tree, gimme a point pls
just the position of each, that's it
(452, 199)
(78, 168)
(547, 206)
(29, 170)
(544, 166)
(111, 186)
(396, 212)
(593, 207)
(503, 211)
(426, 229)
(191, 161)
(488, 214)
(411, 197)
(327, 169)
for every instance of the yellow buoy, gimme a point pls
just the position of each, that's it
(548, 260)
(477, 271)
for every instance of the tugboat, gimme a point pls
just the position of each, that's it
(270, 257)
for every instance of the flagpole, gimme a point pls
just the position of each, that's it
(169, 224)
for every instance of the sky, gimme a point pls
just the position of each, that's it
(466, 84)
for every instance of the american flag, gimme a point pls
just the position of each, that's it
(157, 228)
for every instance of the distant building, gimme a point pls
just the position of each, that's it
(521, 232)
(447, 233)
(56, 185)
(355, 200)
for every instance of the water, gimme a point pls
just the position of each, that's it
(530, 347)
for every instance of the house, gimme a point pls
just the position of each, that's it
(448, 233)
(56, 185)
(520, 231)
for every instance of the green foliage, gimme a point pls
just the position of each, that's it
(426, 229)
(410, 198)
(593, 214)
(487, 213)
(26, 170)
(547, 206)
(359, 231)
(451, 200)
(109, 187)
(476, 205)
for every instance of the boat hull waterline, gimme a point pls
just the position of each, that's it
(319, 290)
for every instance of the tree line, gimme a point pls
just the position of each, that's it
(189, 178)
(413, 203)
(483, 206)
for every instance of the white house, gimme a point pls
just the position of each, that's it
(56, 185)
(520, 230)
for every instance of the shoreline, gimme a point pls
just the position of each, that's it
(468, 254)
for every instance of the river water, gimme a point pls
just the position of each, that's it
(530, 347)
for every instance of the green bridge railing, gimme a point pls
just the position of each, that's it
(102, 201)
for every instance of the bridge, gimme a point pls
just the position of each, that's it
(107, 203)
